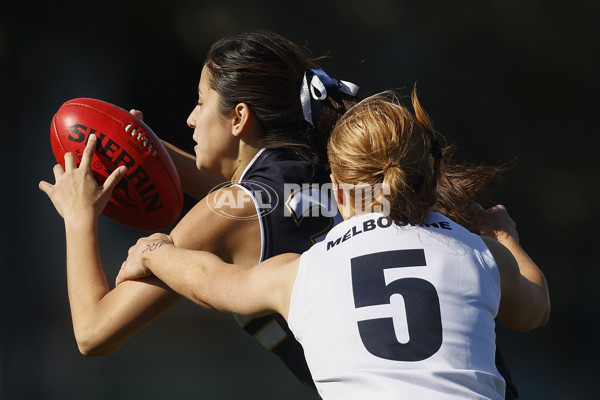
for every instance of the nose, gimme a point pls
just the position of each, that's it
(191, 120)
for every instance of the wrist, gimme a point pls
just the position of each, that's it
(81, 222)
(152, 250)
(507, 239)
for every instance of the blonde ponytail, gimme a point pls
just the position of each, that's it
(383, 145)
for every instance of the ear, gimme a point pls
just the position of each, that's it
(337, 190)
(242, 119)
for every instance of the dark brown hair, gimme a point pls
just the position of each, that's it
(264, 70)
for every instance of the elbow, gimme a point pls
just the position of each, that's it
(528, 325)
(544, 313)
(88, 350)
(90, 344)
(545, 316)
(92, 350)
(531, 322)
(524, 319)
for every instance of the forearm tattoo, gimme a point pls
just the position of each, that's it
(155, 245)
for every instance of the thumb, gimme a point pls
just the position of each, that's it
(45, 187)
(120, 277)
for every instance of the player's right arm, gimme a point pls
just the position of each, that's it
(212, 283)
(104, 319)
(525, 301)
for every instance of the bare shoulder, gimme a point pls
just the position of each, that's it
(225, 223)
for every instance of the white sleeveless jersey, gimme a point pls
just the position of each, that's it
(399, 312)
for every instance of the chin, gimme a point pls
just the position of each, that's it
(203, 166)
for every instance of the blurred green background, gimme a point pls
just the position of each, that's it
(504, 79)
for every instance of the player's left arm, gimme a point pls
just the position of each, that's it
(195, 183)
(525, 300)
(212, 283)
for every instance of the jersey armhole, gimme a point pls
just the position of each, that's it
(260, 221)
(298, 289)
(487, 259)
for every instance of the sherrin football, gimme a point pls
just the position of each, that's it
(150, 196)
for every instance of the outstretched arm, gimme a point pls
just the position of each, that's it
(104, 319)
(212, 283)
(79, 200)
(525, 301)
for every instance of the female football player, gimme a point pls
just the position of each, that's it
(261, 123)
(398, 301)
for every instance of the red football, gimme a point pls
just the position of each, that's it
(149, 197)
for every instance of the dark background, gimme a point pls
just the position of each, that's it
(504, 79)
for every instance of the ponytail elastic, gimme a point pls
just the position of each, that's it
(315, 86)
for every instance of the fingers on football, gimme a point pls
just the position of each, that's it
(88, 153)
(114, 178)
(137, 113)
(69, 162)
(58, 170)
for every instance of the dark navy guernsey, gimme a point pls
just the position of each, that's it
(295, 211)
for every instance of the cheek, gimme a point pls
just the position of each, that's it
(210, 146)
(201, 129)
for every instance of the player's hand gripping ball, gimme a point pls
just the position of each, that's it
(150, 196)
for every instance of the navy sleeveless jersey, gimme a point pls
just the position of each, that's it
(295, 210)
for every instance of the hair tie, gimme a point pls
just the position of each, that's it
(436, 150)
(388, 166)
(315, 86)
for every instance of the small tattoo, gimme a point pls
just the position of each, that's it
(155, 245)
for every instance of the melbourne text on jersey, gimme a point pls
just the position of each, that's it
(381, 222)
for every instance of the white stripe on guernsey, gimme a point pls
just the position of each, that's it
(250, 164)
(270, 335)
(260, 222)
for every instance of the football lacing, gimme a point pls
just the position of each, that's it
(141, 137)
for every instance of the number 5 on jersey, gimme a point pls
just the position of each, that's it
(422, 306)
